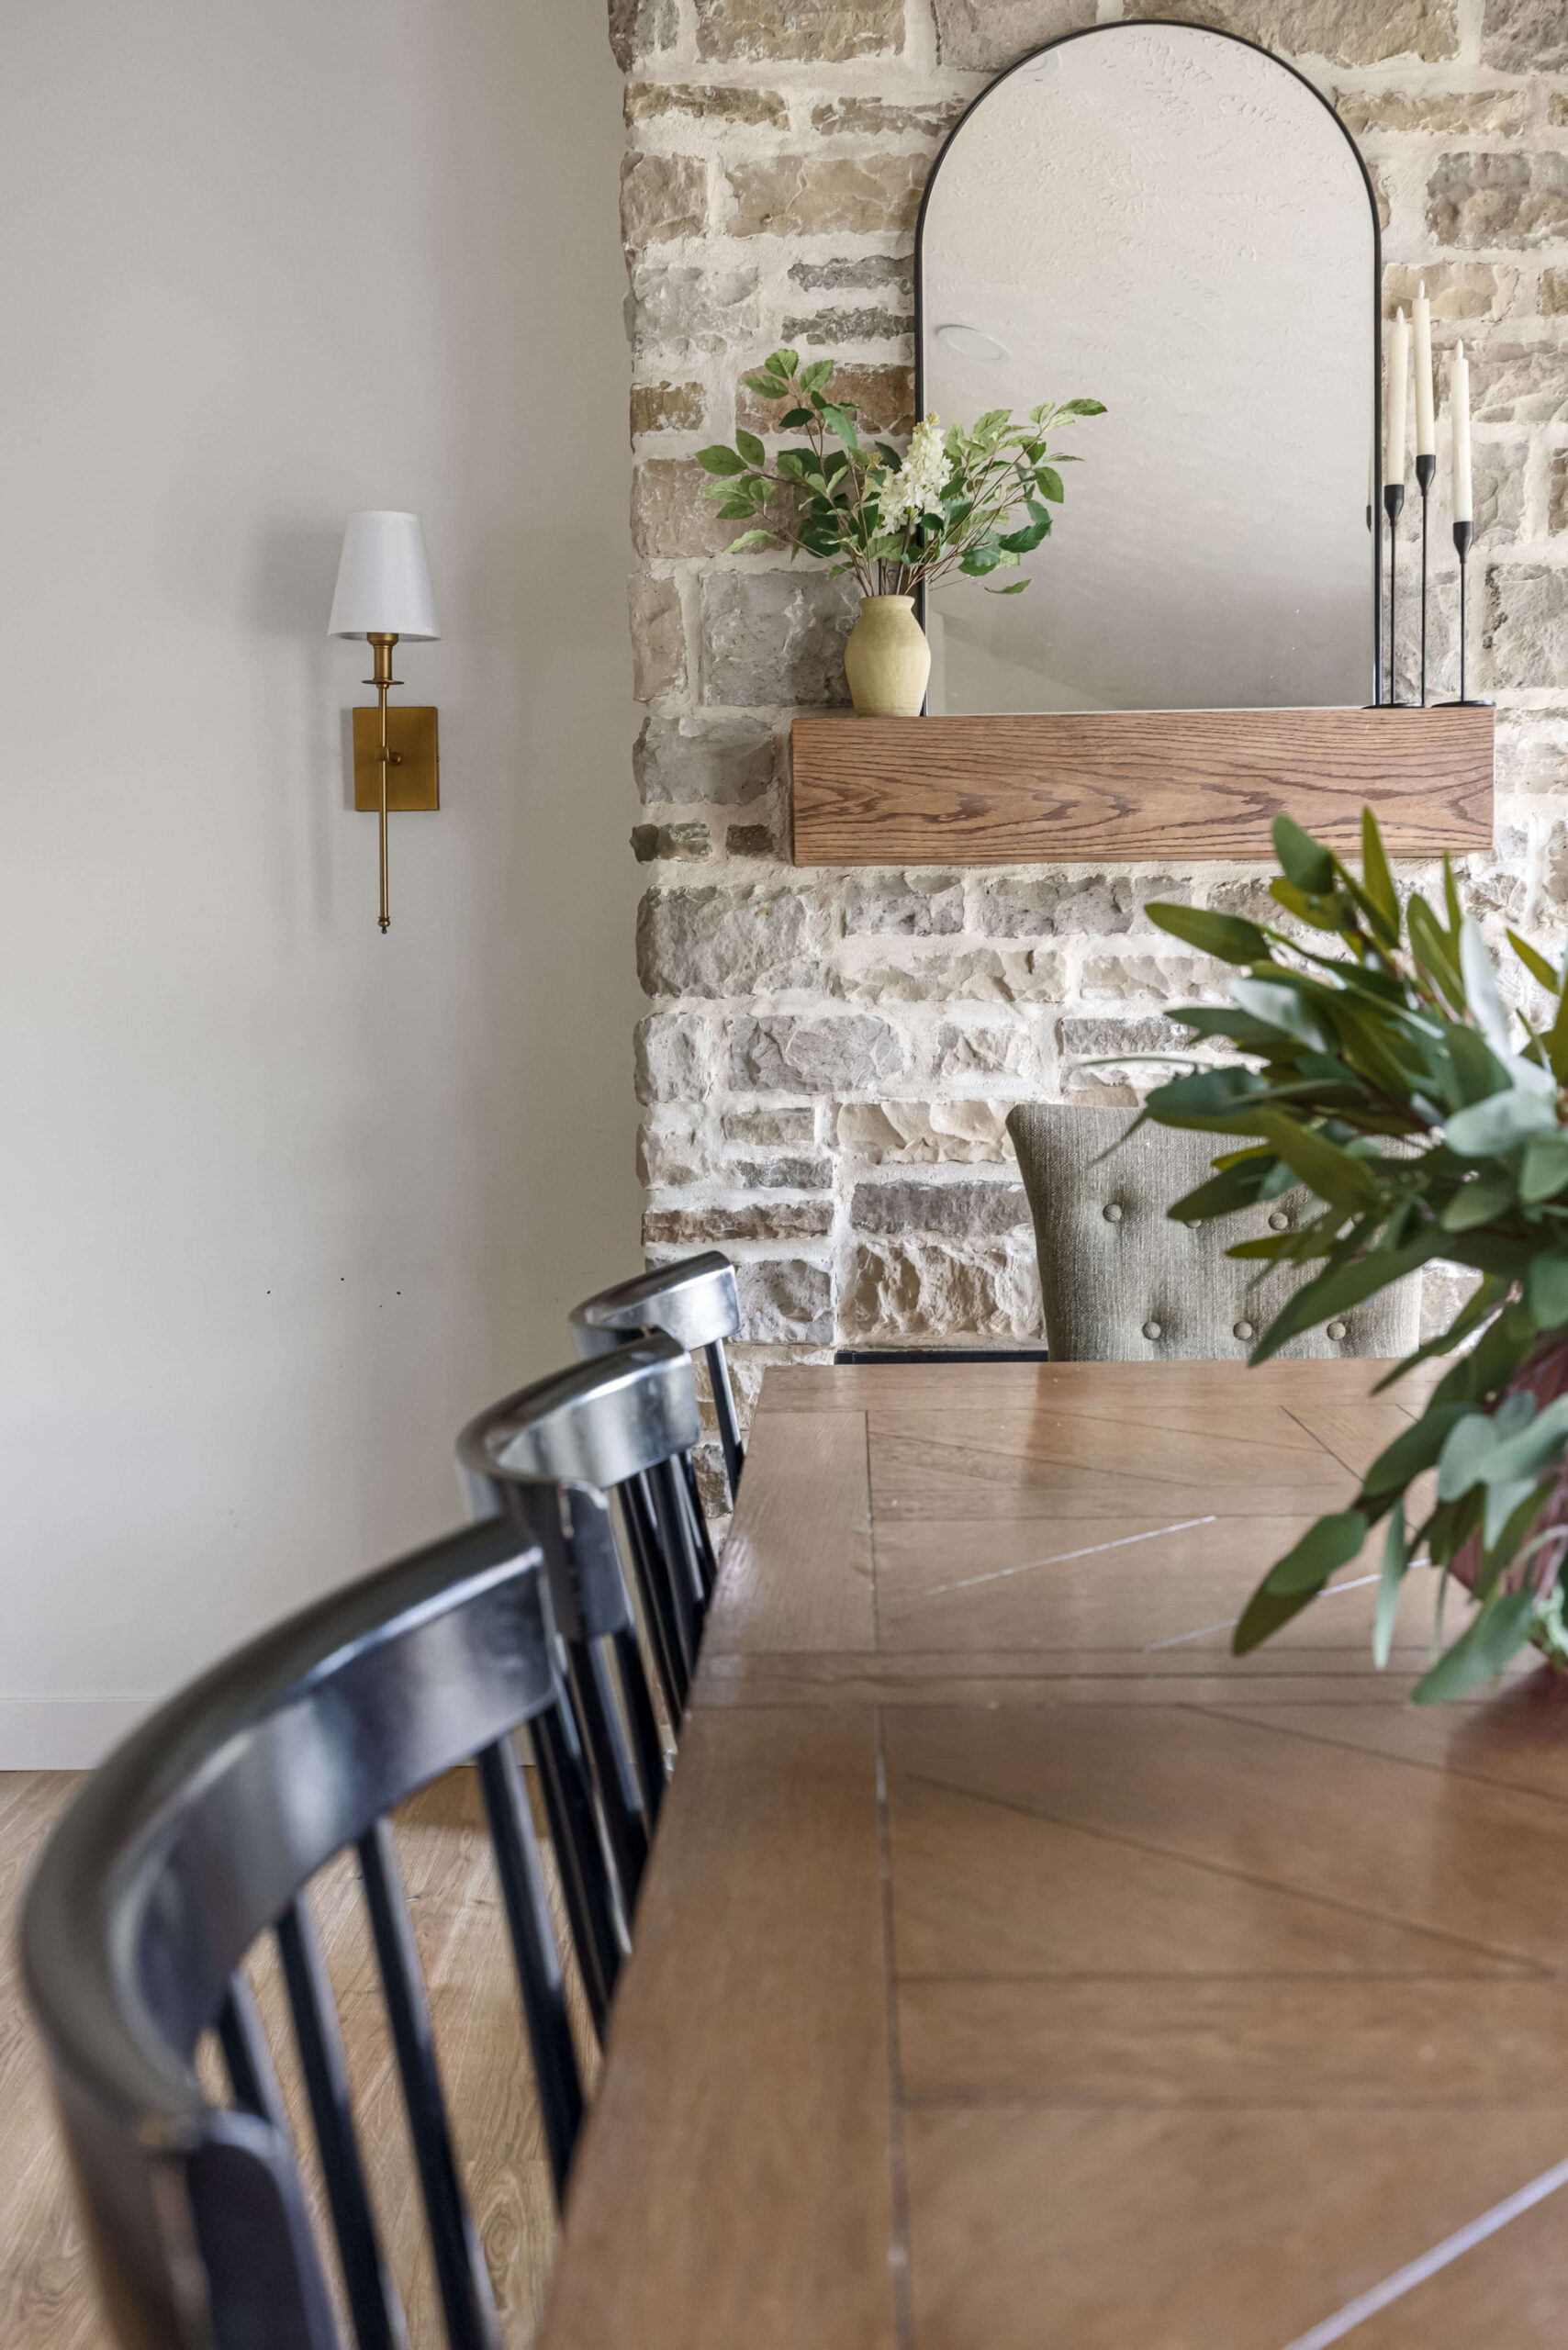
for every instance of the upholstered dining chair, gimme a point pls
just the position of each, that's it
(550, 1457)
(1121, 1283)
(200, 1836)
(695, 1303)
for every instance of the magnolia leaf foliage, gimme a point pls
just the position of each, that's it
(975, 500)
(1378, 1067)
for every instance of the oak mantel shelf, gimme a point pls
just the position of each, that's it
(1126, 785)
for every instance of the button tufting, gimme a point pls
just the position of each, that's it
(1279, 1221)
(1113, 1213)
(1243, 1330)
(1335, 1330)
(1151, 1329)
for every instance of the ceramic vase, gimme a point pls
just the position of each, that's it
(887, 659)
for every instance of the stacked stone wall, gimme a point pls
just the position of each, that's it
(828, 1057)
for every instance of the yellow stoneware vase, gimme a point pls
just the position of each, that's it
(887, 659)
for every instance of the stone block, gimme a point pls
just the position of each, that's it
(750, 840)
(1499, 482)
(792, 1173)
(781, 1053)
(1345, 32)
(931, 1289)
(980, 36)
(1033, 905)
(785, 1298)
(1461, 292)
(823, 32)
(715, 761)
(662, 197)
(875, 118)
(1449, 113)
(724, 942)
(981, 976)
(640, 28)
(909, 905)
(683, 307)
(684, 843)
(1525, 36)
(1519, 384)
(774, 637)
(809, 196)
(814, 328)
(1514, 200)
(1097, 1089)
(1553, 295)
(1088, 1037)
(1532, 752)
(1526, 625)
(761, 1127)
(711, 1226)
(704, 102)
(907, 1133)
(674, 1057)
(855, 273)
(955, 1210)
(984, 1050)
(667, 408)
(1444, 1290)
(671, 518)
(1557, 492)
(672, 1149)
(1148, 978)
(882, 399)
(659, 638)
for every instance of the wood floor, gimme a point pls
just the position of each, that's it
(46, 2297)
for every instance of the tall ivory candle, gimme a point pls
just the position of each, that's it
(1398, 380)
(1426, 423)
(1459, 417)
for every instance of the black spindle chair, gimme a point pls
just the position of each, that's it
(201, 1832)
(554, 1453)
(695, 1304)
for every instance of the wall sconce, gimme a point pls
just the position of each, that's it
(383, 593)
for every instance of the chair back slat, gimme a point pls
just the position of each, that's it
(707, 1564)
(658, 1600)
(726, 1416)
(643, 1724)
(540, 1980)
(620, 1792)
(596, 1930)
(247, 2059)
(667, 1492)
(463, 2281)
(373, 2303)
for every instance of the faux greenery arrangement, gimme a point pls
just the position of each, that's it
(1389, 1078)
(949, 504)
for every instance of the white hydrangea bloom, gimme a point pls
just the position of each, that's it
(917, 489)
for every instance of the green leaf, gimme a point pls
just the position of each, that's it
(1544, 1172)
(1395, 1559)
(749, 539)
(1429, 945)
(1207, 1098)
(1378, 876)
(1265, 1612)
(720, 460)
(1337, 1177)
(1306, 861)
(751, 448)
(1340, 1286)
(785, 362)
(1557, 1040)
(1082, 407)
(1534, 962)
(1501, 1122)
(1233, 1188)
(1048, 482)
(1480, 978)
(765, 387)
(1480, 1201)
(1546, 1290)
(1230, 937)
(1016, 587)
(1332, 1543)
(1279, 1003)
(1415, 1449)
(980, 559)
(1500, 1629)
(842, 421)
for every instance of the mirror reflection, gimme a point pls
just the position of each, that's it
(1167, 219)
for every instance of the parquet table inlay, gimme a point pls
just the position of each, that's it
(1018, 1967)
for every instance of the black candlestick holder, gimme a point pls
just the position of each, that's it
(1425, 469)
(1392, 506)
(1463, 533)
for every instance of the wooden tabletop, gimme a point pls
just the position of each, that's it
(1018, 1968)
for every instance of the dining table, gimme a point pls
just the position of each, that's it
(1018, 1966)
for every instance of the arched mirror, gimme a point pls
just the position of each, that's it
(1170, 220)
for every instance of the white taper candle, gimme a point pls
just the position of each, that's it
(1426, 423)
(1395, 399)
(1459, 418)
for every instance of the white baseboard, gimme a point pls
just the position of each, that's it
(64, 1733)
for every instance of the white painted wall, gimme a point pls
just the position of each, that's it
(280, 1200)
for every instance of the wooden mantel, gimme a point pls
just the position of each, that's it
(1126, 786)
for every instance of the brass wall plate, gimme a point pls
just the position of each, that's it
(415, 779)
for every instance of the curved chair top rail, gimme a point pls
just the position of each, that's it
(694, 1302)
(595, 1425)
(200, 1829)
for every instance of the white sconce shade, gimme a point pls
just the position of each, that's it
(384, 581)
